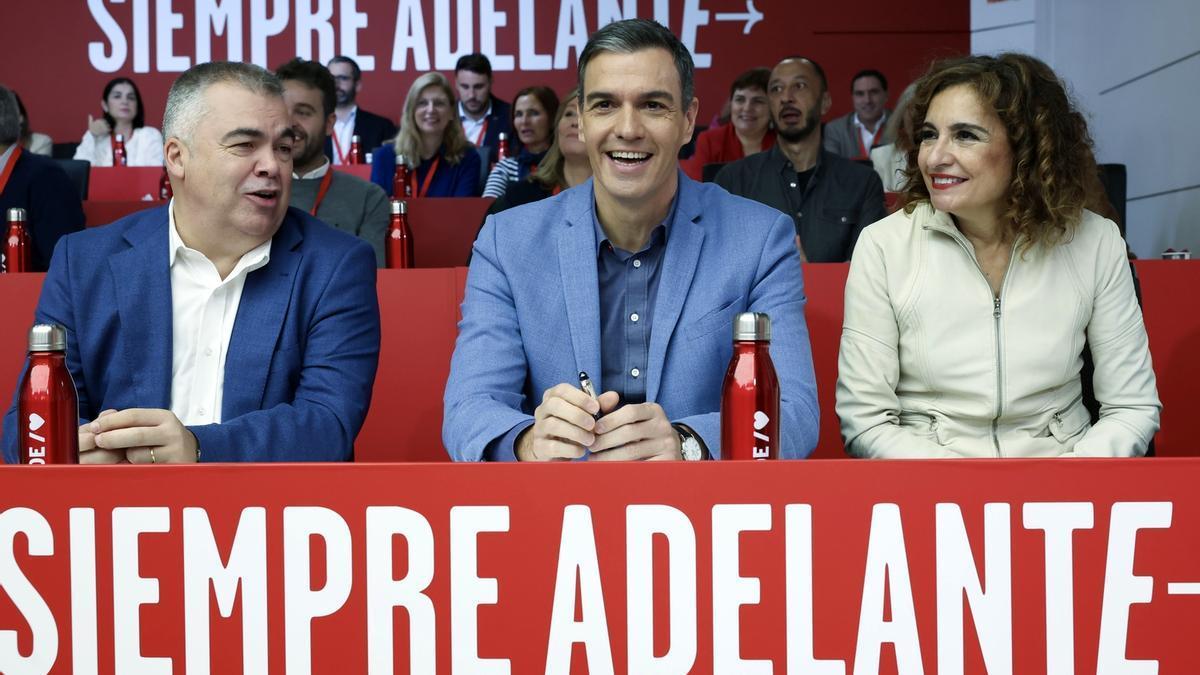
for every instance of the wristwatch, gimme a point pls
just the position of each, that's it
(689, 444)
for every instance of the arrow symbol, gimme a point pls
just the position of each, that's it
(751, 16)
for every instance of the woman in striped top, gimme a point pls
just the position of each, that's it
(533, 112)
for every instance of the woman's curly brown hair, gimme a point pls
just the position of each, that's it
(1054, 171)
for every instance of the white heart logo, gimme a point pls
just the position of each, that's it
(760, 420)
(35, 421)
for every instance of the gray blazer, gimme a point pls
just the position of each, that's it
(840, 136)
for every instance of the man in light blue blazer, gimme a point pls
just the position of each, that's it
(224, 327)
(635, 278)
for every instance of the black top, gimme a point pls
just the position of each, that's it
(51, 203)
(829, 210)
(372, 131)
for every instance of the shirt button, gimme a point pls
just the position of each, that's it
(633, 317)
(637, 264)
(793, 185)
(799, 214)
(635, 372)
(208, 351)
(202, 411)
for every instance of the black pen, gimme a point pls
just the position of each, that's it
(585, 383)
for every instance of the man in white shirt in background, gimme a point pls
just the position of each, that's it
(373, 130)
(484, 117)
(854, 134)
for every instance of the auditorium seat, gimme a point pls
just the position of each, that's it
(78, 171)
(710, 171)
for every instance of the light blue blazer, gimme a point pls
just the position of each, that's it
(531, 315)
(302, 356)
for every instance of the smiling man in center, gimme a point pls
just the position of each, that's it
(633, 277)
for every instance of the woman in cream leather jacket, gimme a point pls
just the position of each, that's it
(968, 311)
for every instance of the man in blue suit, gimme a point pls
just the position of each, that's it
(634, 277)
(224, 327)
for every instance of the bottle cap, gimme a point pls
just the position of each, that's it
(16, 214)
(120, 138)
(401, 160)
(47, 337)
(503, 136)
(354, 138)
(399, 207)
(754, 326)
(368, 158)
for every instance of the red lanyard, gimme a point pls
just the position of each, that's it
(428, 178)
(557, 189)
(337, 147)
(866, 151)
(326, 180)
(12, 161)
(482, 133)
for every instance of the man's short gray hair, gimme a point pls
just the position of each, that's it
(10, 117)
(635, 35)
(185, 101)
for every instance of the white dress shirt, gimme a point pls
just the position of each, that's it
(868, 136)
(343, 132)
(203, 309)
(318, 172)
(473, 127)
(144, 147)
(5, 157)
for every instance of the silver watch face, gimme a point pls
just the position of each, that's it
(690, 448)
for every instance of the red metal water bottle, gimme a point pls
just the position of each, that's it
(356, 151)
(119, 156)
(164, 186)
(399, 248)
(17, 245)
(502, 147)
(401, 187)
(48, 411)
(750, 395)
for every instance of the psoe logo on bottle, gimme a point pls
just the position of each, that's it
(37, 453)
(761, 420)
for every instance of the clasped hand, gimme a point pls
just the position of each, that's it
(564, 427)
(136, 436)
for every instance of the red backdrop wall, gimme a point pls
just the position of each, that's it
(63, 53)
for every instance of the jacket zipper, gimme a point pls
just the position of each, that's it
(1059, 413)
(996, 312)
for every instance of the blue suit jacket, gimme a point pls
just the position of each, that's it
(531, 315)
(302, 356)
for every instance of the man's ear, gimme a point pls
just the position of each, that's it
(175, 157)
(692, 111)
(357, 88)
(329, 123)
(826, 103)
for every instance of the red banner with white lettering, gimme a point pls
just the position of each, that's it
(60, 54)
(827, 567)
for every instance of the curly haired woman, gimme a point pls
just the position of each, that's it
(968, 311)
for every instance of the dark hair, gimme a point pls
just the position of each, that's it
(544, 96)
(1054, 170)
(476, 63)
(635, 35)
(816, 66)
(26, 130)
(139, 118)
(10, 120)
(755, 78)
(350, 62)
(869, 72)
(314, 75)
